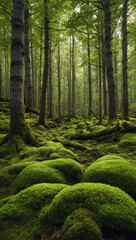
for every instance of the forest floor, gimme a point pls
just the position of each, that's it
(70, 161)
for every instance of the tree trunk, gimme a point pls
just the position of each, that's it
(59, 90)
(69, 86)
(32, 66)
(40, 70)
(73, 76)
(0, 79)
(104, 75)
(28, 85)
(116, 79)
(46, 66)
(89, 77)
(50, 82)
(110, 77)
(17, 119)
(100, 78)
(124, 61)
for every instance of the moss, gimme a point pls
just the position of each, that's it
(119, 173)
(38, 173)
(129, 139)
(19, 217)
(109, 157)
(80, 225)
(111, 207)
(81, 125)
(71, 169)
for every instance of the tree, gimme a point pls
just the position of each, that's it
(46, 66)
(0, 79)
(17, 118)
(110, 77)
(124, 61)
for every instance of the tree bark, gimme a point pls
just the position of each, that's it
(110, 77)
(59, 84)
(46, 66)
(116, 79)
(124, 61)
(28, 85)
(73, 76)
(89, 77)
(69, 86)
(17, 119)
(100, 74)
(50, 82)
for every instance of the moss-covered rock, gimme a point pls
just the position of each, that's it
(38, 173)
(52, 171)
(19, 216)
(111, 207)
(128, 139)
(119, 173)
(80, 225)
(109, 157)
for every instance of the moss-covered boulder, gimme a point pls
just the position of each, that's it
(80, 225)
(19, 216)
(51, 171)
(128, 140)
(120, 173)
(109, 157)
(38, 173)
(111, 207)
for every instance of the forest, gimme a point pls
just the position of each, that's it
(67, 120)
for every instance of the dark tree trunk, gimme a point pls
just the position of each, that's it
(124, 61)
(116, 79)
(100, 75)
(69, 86)
(0, 79)
(73, 76)
(28, 85)
(89, 78)
(17, 119)
(104, 75)
(40, 70)
(59, 90)
(110, 77)
(46, 66)
(50, 82)
(32, 66)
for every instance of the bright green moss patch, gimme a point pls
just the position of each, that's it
(109, 157)
(129, 139)
(38, 173)
(119, 173)
(52, 171)
(111, 207)
(80, 225)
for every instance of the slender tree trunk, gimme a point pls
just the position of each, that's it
(110, 77)
(89, 77)
(124, 61)
(100, 78)
(50, 82)
(28, 84)
(17, 119)
(69, 86)
(0, 79)
(104, 75)
(84, 93)
(40, 70)
(73, 76)
(46, 66)
(32, 66)
(116, 79)
(59, 84)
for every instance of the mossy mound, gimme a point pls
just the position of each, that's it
(80, 225)
(128, 139)
(109, 157)
(38, 173)
(45, 152)
(111, 207)
(19, 217)
(119, 173)
(51, 171)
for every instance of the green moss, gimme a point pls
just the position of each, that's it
(71, 169)
(109, 157)
(129, 139)
(19, 217)
(38, 173)
(111, 207)
(119, 173)
(80, 225)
